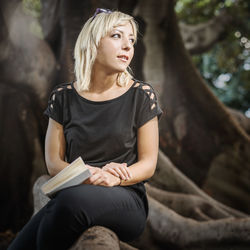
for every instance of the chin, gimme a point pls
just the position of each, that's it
(121, 69)
(116, 69)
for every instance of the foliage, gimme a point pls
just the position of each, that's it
(226, 67)
(32, 8)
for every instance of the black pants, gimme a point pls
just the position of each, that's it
(73, 210)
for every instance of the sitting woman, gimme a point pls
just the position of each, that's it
(111, 121)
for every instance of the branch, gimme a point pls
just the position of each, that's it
(201, 37)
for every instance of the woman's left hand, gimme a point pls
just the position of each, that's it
(118, 169)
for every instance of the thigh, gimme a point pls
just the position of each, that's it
(118, 208)
(26, 238)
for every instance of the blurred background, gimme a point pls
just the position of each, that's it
(196, 55)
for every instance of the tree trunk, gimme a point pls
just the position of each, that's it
(27, 70)
(197, 132)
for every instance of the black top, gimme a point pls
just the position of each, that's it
(103, 131)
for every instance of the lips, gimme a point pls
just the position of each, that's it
(123, 57)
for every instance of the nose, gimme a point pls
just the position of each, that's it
(127, 45)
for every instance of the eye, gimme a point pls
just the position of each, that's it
(132, 40)
(116, 35)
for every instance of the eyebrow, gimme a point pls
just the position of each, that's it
(123, 32)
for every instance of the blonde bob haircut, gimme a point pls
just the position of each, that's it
(87, 44)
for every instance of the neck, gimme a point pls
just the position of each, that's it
(101, 81)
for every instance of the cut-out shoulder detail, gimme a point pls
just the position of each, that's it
(137, 85)
(145, 87)
(57, 89)
(63, 86)
(153, 106)
(150, 92)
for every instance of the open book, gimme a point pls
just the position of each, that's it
(74, 174)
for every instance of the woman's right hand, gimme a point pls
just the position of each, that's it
(101, 177)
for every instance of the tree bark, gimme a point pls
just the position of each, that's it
(167, 227)
(243, 120)
(27, 70)
(97, 238)
(169, 178)
(193, 115)
(21, 158)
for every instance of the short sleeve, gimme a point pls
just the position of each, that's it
(149, 107)
(55, 105)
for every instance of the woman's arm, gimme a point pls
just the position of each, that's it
(147, 144)
(55, 148)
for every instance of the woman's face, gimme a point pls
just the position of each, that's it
(116, 50)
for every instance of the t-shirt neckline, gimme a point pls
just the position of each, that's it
(105, 101)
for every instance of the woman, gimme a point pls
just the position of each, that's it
(110, 120)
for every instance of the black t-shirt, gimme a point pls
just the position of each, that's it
(103, 131)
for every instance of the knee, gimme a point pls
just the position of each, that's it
(67, 207)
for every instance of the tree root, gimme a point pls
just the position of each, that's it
(168, 227)
(190, 206)
(97, 238)
(168, 177)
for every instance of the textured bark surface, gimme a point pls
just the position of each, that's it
(27, 70)
(197, 132)
(97, 238)
(243, 120)
(21, 158)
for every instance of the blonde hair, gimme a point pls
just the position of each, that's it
(87, 43)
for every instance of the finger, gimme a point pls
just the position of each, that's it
(93, 172)
(99, 181)
(106, 167)
(94, 177)
(112, 171)
(125, 171)
(120, 172)
(128, 172)
(117, 168)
